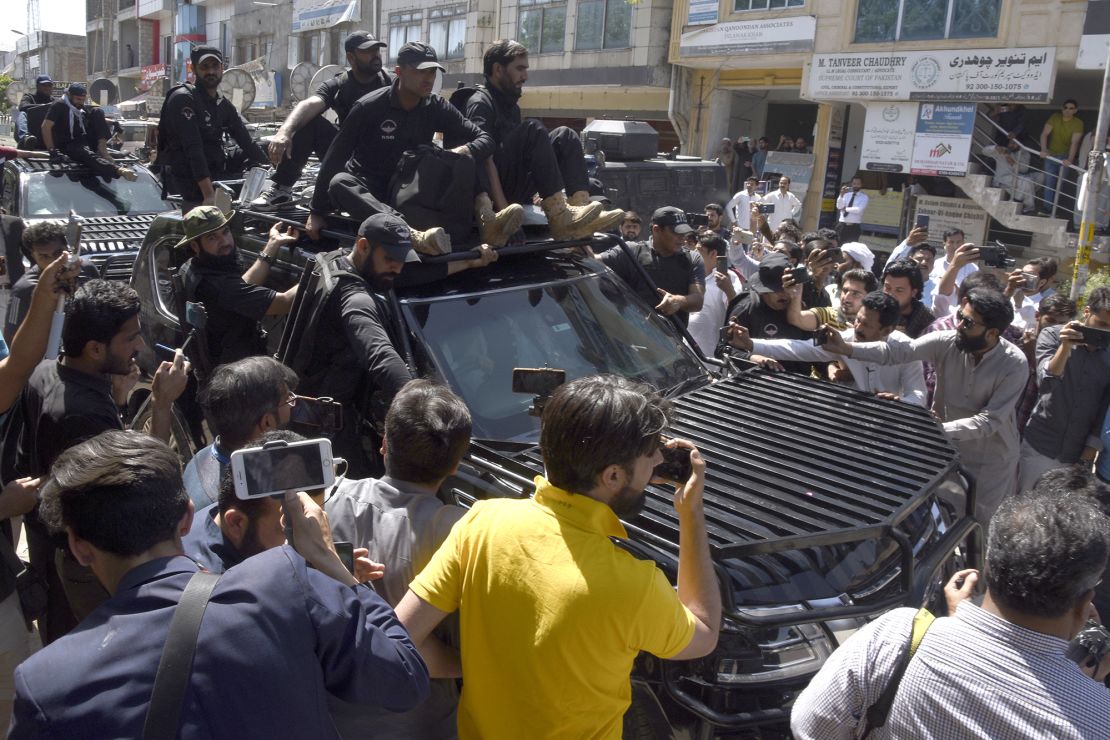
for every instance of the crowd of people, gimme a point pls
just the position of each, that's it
(529, 601)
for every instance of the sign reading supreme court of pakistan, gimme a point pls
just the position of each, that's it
(1015, 75)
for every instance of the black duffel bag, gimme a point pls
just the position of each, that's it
(435, 187)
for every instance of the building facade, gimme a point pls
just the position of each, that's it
(60, 55)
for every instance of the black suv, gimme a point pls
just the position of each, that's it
(825, 507)
(117, 213)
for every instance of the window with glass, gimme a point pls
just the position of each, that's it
(403, 28)
(447, 31)
(919, 20)
(603, 24)
(739, 5)
(543, 26)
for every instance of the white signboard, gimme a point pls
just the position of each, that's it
(942, 142)
(702, 12)
(775, 36)
(888, 137)
(317, 14)
(798, 167)
(953, 213)
(1019, 75)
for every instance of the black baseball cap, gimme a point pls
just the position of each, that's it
(200, 53)
(769, 277)
(392, 234)
(671, 216)
(421, 56)
(44, 80)
(361, 40)
(76, 88)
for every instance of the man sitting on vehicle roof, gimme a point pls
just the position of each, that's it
(68, 129)
(306, 131)
(42, 95)
(678, 275)
(528, 157)
(191, 132)
(235, 301)
(355, 175)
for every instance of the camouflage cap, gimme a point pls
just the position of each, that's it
(203, 220)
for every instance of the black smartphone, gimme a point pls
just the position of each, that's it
(833, 254)
(1094, 337)
(801, 275)
(922, 221)
(318, 413)
(766, 208)
(722, 264)
(346, 552)
(676, 465)
(821, 336)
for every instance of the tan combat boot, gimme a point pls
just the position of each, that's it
(497, 227)
(579, 198)
(434, 241)
(564, 219)
(605, 221)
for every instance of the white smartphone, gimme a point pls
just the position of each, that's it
(279, 467)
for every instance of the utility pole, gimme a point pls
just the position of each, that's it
(1096, 175)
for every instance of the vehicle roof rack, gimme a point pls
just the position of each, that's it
(45, 165)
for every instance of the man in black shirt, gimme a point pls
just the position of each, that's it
(42, 242)
(678, 274)
(191, 134)
(72, 399)
(528, 158)
(68, 130)
(235, 301)
(382, 126)
(354, 359)
(306, 131)
(762, 309)
(43, 95)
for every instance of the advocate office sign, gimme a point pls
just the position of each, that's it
(772, 36)
(1018, 75)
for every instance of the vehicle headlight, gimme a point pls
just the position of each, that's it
(748, 655)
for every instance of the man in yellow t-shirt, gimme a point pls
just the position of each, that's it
(1060, 139)
(552, 612)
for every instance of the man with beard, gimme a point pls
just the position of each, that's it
(69, 400)
(306, 131)
(902, 280)
(236, 301)
(553, 612)
(876, 320)
(529, 159)
(191, 132)
(70, 128)
(980, 379)
(356, 173)
(43, 95)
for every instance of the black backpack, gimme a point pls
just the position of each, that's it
(435, 187)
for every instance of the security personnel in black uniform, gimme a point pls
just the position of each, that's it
(306, 131)
(529, 158)
(43, 95)
(356, 172)
(191, 134)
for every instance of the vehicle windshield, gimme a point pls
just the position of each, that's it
(53, 195)
(585, 326)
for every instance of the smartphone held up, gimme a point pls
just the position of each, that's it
(281, 467)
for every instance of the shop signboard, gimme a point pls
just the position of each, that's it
(953, 213)
(703, 12)
(309, 15)
(888, 132)
(798, 167)
(772, 36)
(1014, 74)
(942, 142)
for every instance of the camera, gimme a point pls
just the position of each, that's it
(1090, 645)
(676, 465)
(766, 208)
(697, 220)
(1094, 337)
(996, 256)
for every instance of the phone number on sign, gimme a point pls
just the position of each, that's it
(989, 86)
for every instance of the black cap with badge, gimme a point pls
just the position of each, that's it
(391, 234)
(361, 40)
(200, 53)
(769, 277)
(671, 216)
(421, 56)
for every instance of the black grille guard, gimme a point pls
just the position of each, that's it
(783, 474)
(107, 235)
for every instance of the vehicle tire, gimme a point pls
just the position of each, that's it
(645, 718)
(180, 440)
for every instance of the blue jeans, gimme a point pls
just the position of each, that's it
(1051, 178)
(20, 126)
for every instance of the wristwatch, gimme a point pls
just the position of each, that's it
(268, 259)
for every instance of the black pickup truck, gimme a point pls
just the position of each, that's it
(825, 507)
(117, 214)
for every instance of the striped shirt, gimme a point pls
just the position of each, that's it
(975, 675)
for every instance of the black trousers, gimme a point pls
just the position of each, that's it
(234, 165)
(532, 159)
(315, 137)
(79, 151)
(358, 197)
(847, 232)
